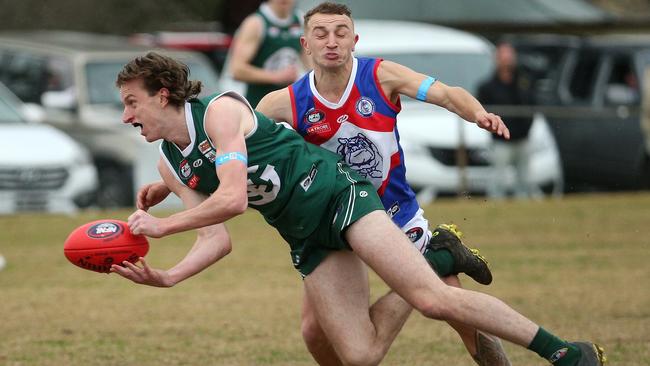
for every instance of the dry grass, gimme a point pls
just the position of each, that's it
(578, 266)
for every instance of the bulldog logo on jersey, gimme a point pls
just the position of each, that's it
(365, 106)
(362, 155)
(314, 116)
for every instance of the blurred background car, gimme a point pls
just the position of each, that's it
(41, 168)
(592, 90)
(71, 76)
(444, 154)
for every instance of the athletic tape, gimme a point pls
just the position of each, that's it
(224, 158)
(424, 87)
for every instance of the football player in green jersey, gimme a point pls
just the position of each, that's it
(330, 245)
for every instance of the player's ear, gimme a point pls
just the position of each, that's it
(164, 95)
(303, 43)
(356, 39)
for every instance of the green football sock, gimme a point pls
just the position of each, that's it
(554, 349)
(441, 261)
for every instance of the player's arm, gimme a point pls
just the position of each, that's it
(245, 44)
(397, 79)
(277, 106)
(212, 243)
(224, 124)
(151, 194)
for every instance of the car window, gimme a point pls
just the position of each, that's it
(101, 80)
(29, 76)
(24, 75)
(541, 64)
(8, 113)
(622, 83)
(584, 76)
(445, 67)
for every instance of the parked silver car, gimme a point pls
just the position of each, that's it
(71, 77)
(41, 168)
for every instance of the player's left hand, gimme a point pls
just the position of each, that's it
(142, 223)
(492, 123)
(144, 275)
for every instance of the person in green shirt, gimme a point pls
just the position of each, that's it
(266, 52)
(331, 217)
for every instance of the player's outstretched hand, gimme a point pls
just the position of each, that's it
(492, 123)
(144, 275)
(151, 194)
(142, 223)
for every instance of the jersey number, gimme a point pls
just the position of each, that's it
(265, 188)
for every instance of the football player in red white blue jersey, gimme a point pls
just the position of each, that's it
(349, 105)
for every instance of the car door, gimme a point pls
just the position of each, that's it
(598, 131)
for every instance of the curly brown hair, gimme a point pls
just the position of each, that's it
(327, 8)
(158, 71)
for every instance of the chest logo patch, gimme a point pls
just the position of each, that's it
(365, 106)
(314, 116)
(184, 169)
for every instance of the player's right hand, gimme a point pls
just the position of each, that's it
(144, 275)
(151, 194)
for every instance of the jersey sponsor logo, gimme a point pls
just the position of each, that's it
(274, 31)
(204, 146)
(314, 116)
(393, 210)
(264, 188)
(414, 234)
(197, 163)
(365, 106)
(194, 181)
(343, 118)
(306, 183)
(363, 194)
(320, 128)
(211, 156)
(361, 155)
(184, 169)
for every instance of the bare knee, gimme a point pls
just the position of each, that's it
(312, 333)
(434, 305)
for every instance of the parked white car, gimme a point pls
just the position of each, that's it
(432, 137)
(71, 77)
(41, 168)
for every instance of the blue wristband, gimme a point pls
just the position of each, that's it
(224, 158)
(424, 87)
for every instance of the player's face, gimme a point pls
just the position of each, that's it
(141, 109)
(329, 40)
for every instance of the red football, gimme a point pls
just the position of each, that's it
(98, 244)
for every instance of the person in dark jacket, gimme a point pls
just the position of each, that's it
(508, 87)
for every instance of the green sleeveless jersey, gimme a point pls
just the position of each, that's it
(279, 48)
(288, 178)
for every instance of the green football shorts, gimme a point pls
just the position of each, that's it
(352, 198)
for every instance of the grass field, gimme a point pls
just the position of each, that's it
(579, 266)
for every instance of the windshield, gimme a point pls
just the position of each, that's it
(8, 112)
(101, 81)
(455, 69)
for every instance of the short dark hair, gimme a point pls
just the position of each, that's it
(327, 8)
(157, 72)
